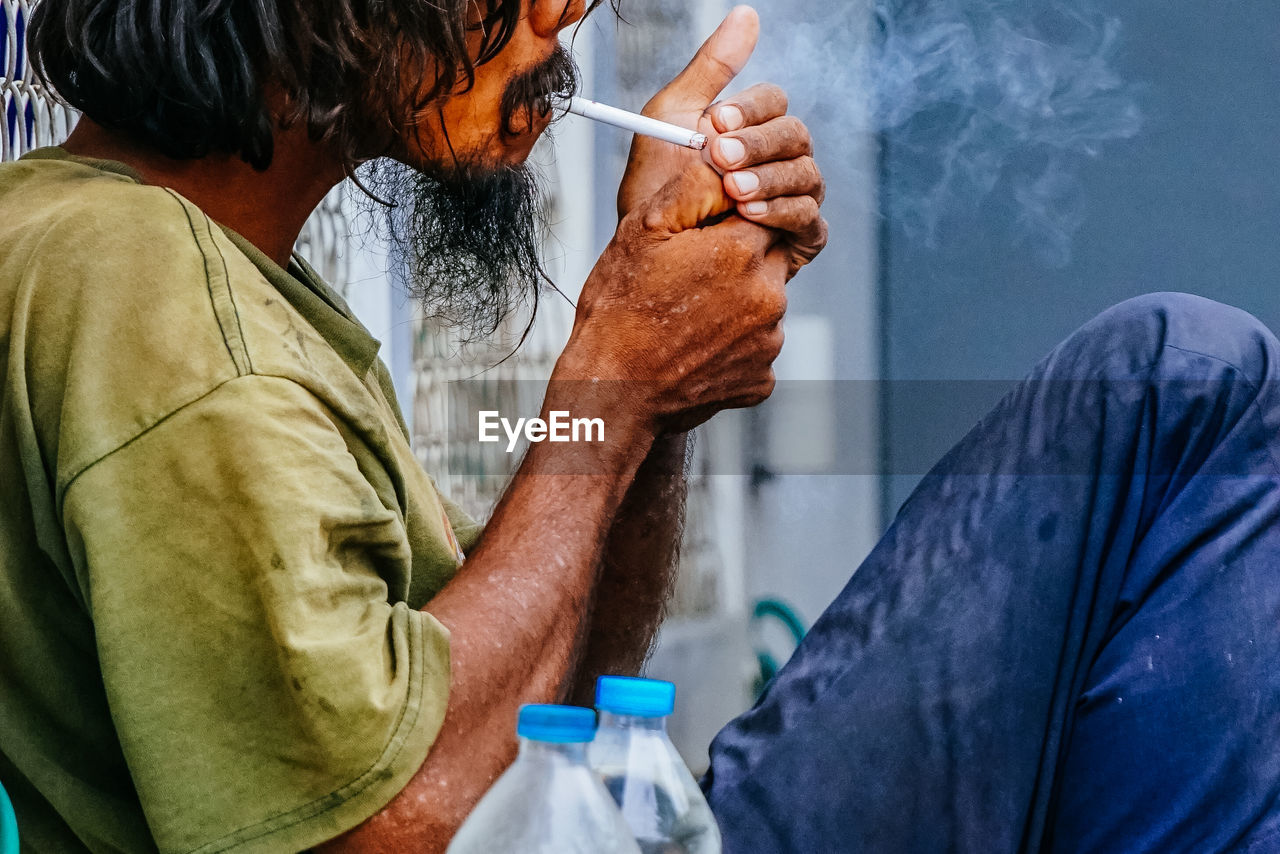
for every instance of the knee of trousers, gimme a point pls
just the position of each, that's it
(1130, 339)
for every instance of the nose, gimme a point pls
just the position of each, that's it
(548, 17)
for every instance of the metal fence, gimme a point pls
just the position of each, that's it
(30, 117)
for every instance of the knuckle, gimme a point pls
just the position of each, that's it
(779, 312)
(823, 230)
(796, 124)
(788, 211)
(771, 304)
(776, 340)
(713, 67)
(649, 220)
(798, 131)
(738, 246)
(812, 174)
(812, 243)
(777, 95)
(767, 384)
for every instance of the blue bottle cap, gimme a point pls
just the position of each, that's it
(628, 695)
(558, 724)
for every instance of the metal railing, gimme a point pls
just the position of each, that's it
(29, 117)
(32, 117)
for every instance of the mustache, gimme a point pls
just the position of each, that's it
(532, 94)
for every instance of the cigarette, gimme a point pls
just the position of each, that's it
(637, 123)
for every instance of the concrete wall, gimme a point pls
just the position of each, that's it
(1191, 203)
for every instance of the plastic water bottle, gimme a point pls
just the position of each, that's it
(644, 773)
(549, 801)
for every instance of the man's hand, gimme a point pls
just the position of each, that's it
(687, 301)
(685, 315)
(765, 156)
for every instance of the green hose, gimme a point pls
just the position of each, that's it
(782, 612)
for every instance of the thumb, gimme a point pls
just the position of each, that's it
(716, 63)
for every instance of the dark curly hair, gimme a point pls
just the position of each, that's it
(192, 77)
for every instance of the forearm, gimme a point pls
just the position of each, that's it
(517, 612)
(638, 568)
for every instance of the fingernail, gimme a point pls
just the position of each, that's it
(731, 150)
(731, 118)
(746, 182)
(756, 208)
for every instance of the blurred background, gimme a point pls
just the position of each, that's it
(998, 173)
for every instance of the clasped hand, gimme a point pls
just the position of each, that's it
(686, 303)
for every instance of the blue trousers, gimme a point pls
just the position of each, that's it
(1069, 638)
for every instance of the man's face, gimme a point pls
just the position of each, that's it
(496, 122)
(465, 215)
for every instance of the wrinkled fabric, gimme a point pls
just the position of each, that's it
(214, 536)
(1068, 639)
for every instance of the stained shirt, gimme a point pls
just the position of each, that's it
(214, 537)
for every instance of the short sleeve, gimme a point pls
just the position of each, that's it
(267, 694)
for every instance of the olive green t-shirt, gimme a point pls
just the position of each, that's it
(214, 537)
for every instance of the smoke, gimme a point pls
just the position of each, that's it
(981, 103)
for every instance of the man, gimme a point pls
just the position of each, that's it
(218, 540)
(232, 615)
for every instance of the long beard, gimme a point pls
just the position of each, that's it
(469, 235)
(468, 240)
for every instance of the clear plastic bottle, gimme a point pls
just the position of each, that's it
(549, 801)
(642, 770)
